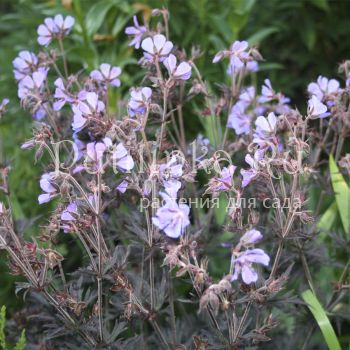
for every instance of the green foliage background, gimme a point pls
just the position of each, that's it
(299, 40)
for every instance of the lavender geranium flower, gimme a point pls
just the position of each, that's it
(121, 159)
(88, 106)
(249, 67)
(323, 88)
(32, 84)
(139, 101)
(248, 95)
(28, 144)
(30, 89)
(268, 94)
(70, 212)
(182, 71)
(157, 47)
(265, 133)
(250, 237)
(123, 186)
(62, 95)
(238, 55)
(266, 127)
(25, 64)
(68, 216)
(56, 27)
(107, 74)
(250, 174)
(243, 264)
(223, 182)
(137, 31)
(48, 186)
(95, 151)
(171, 172)
(172, 217)
(238, 119)
(317, 109)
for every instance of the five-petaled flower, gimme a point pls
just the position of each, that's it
(137, 31)
(265, 129)
(156, 48)
(172, 217)
(88, 106)
(32, 84)
(223, 182)
(238, 55)
(243, 262)
(171, 172)
(25, 64)
(139, 101)
(324, 89)
(317, 109)
(121, 158)
(107, 74)
(182, 71)
(95, 151)
(239, 119)
(56, 27)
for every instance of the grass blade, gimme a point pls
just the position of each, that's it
(322, 320)
(342, 193)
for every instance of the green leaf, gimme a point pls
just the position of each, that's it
(321, 4)
(242, 7)
(16, 207)
(21, 344)
(85, 54)
(220, 211)
(2, 327)
(96, 15)
(327, 219)
(262, 34)
(209, 128)
(322, 320)
(342, 194)
(120, 23)
(270, 66)
(222, 27)
(308, 35)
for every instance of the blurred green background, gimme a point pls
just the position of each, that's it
(299, 40)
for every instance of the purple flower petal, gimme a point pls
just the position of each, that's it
(250, 237)
(249, 275)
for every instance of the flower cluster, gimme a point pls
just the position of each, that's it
(130, 183)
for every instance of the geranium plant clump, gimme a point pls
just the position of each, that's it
(144, 202)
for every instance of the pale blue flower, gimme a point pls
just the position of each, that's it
(182, 71)
(107, 74)
(243, 264)
(172, 218)
(137, 31)
(57, 27)
(157, 47)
